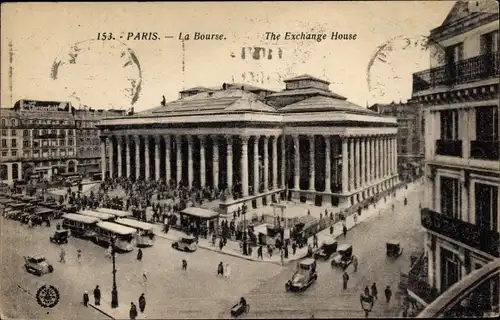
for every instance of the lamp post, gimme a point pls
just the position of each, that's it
(114, 291)
(366, 302)
(244, 211)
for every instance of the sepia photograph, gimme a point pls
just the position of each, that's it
(249, 160)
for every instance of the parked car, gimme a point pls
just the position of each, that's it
(328, 247)
(303, 277)
(186, 243)
(343, 257)
(37, 264)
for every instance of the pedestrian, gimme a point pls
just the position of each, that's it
(286, 251)
(315, 241)
(86, 299)
(344, 230)
(142, 303)
(388, 294)
(220, 269)
(133, 311)
(62, 256)
(345, 278)
(214, 237)
(282, 257)
(144, 277)
(367, 292)
(374, 291)
(139, 254)
(259, 253)
(184, 264)
(355, 263)
(79, 255)
(97, 295)
(294, 247)
(228, 270)
(221, 244)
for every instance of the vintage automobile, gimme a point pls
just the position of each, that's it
(186, 243)
(60, 237)
(343, 257)
(37, 264)
(240, 308)
(304, 276)
(394, 250)
(328, 248)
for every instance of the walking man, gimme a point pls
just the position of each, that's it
(79, 255)
(220, 269)
(139, 254)
(388, 294)
(133, 311)
(315, 241)
(344, 230)
(184, 264)
(374, 291)
(97, 295)
(259, 253)
(142, 303)
(345, 278)
(355, 263)
(62, 256)
(86, 299)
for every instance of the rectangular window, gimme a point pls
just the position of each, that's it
(13, 132)
(62, 142)
(26, 143)
(450, 197)
(454, 53)
(14, 143)
(4, 153)
(14, 153)
(36, 144)
(26, 133)
(486, 197)
(487, 123)
(449, 124)
(70, 142)
(4, 143)
(489, 42)
(26, 153)
(4, 133)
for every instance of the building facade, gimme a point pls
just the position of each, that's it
(410, 136)
(460, 99)
(257, 143)
(38, 136)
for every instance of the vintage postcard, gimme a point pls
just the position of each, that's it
(257, 159)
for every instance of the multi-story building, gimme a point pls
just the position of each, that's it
(40, 136)
(410, 136)
(460, 99)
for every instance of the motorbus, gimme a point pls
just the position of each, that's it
(99, 215)
(80, 226)
(124, 236)
(116, 213)
(474, 296)
(145, 236)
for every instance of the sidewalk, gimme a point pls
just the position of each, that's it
(122, 312)
(233, 247)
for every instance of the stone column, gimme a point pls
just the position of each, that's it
(103, 158)
(168, 164)
(379, 157)
(328, 165)
(351, 164)
(110, 141)
(190, 160)
(363, 161)
(244, 165)
(283, 161)
(395, 154)
(229, 164)
(256, 164)
(357, 163)
(345, 166)
(128, 156)
(374, 159)
(119, 142)
(137, 141)
(215, 160)
(146, 157)
(275, 162)
(312, 168)
(386, 155)
(178, 157)
(157, 158)
(368, 161)
(296, 184)
(265, 141)
(203, 169)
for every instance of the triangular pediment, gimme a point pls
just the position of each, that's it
(459, 11)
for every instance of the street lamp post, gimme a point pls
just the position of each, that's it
(114, 291)
(244, 211)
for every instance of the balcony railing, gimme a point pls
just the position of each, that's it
(486, 150)
(483, 239)
(449, 148)
(477, 68)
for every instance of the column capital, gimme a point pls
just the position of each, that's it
(189, 139)
(178, 139)
(167, 138)
(215, 139)
(264, 137)
(202, 138)
(228, 138)
(244, 139)
(137, 138)
(157, 139)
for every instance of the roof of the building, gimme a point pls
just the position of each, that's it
(322, 103)
(307, 91)
(221, 101)
(234, 85)
(306, 77)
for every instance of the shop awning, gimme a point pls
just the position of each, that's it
(200, 213)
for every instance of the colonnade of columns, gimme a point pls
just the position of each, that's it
(366, 160)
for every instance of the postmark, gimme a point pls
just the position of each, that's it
(390, 68)
(47, 296)
(92, 70)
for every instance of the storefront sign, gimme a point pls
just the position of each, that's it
(467, 233)
(34, 105)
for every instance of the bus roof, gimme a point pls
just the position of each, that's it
(99, 215)
(80, 218)
(115, 228)
(117, 213)
(134, 224)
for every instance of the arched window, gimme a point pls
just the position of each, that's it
(3, 170)
(3, 122)
(14, 122)
(15, 171)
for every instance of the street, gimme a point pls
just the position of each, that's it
(325, 298)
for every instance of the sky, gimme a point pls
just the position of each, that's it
(50, 51)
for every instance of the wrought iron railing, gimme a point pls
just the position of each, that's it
(449, 148)
(486, 150)
(477, 68)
